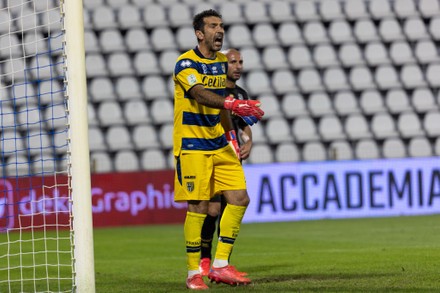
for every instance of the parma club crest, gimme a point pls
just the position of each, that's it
(190, 186)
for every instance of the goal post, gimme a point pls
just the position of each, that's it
(80, 160)
(46, 227)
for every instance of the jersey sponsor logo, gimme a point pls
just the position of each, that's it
(204, 68)
(185, 63)
(214, 81)
(214, 70)
(191, 79)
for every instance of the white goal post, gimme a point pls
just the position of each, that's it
(46, 229)
(80, 159)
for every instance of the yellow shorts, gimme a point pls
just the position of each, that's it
(200, 176)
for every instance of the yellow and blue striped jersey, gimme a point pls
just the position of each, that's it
(197, 127)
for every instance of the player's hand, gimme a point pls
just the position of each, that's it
(245, 150)
(231, 137)
(248, 110)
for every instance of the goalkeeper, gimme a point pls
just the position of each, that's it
(204, 163)
(218, 203)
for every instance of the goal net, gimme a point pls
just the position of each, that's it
(37, 235)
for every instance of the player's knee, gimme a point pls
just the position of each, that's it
(245, 201)
(214, 209)
(214, 212)
(198, 206)
(239, 198)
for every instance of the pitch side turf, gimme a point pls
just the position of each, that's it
(352, 255)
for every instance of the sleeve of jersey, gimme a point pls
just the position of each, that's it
(241, 124)
(186, 74)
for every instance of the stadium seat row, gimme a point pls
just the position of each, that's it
(155, 158)
(272, 57)
(41, 17)
(308, 80)
(344, 150)
(266, 34)
(128, 160)
(280, 81)
(288, 106)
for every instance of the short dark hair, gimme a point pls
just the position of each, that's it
(198, 20)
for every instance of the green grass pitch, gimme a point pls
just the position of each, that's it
(399, 254)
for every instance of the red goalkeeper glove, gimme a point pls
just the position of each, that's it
(248, 110)
(231, 137)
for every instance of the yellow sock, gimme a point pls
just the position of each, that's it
(192, 230)
(229, 228)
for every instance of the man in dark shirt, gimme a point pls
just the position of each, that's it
(243, 130)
